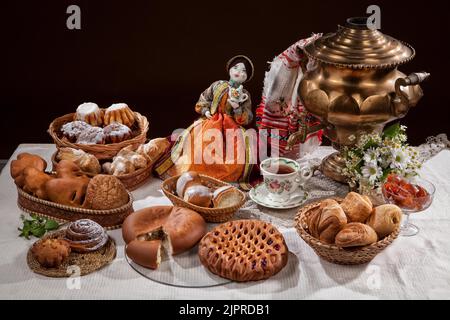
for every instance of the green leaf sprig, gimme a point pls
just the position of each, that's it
(36, 226)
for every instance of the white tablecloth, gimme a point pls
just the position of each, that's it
(412, 267)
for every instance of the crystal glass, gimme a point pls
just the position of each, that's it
(410, 204)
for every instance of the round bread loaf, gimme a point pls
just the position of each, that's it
(105, 192)
(244, 250)
(198, 195)
(185, 180)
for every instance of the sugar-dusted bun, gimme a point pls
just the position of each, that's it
(385, 219)
(72, 130)
(356, 234)
(226, 196)
(198, 195)
(86, 235)
(332, 220)
(185, 180)
(116, 132)
(145, 253)
(89, 112)
(181, 227)
(92, 135)
(121, 113)
(356, 207)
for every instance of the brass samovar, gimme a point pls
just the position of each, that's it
(354, 86)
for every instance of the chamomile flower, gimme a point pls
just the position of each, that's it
(400, 159)
(371, 156)
(371, 172)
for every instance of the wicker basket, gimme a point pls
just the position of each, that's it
(131, 181)
(209, 214)
(109, 219)
(333, 253)
(101, 151)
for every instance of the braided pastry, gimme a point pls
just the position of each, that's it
(86, 235)
(244, 250)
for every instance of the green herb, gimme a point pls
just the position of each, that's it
(392, 131)
(36, 226)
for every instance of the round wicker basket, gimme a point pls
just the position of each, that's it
(101, 151)
(84, 263)
(209, 214)
(333, 253)
(109, 219)
(131, 181)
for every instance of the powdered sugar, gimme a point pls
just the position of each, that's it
(117, 106)
(73, 129)
(93, 135)
(87, 108)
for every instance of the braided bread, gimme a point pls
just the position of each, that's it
(244, 250)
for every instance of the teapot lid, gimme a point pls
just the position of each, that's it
(356, 46)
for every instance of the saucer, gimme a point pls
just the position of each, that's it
(260, 195)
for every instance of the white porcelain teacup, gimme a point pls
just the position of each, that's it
(283, 176)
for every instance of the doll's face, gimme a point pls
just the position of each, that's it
(238, 73)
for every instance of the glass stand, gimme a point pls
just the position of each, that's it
(408, 229)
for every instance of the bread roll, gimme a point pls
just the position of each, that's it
(154, 149)
(198, 195)
(88, 163)
(332, 219)
(185, 180)
(385, 219)
(226, 196)
(356, 234)
(357, 207)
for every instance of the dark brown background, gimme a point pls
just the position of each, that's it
(159, 56)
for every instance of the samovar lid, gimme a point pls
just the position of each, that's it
(356, 46)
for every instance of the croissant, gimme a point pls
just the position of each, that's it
(326, 220)
(331, 221)
(357, 207)
(356, 234)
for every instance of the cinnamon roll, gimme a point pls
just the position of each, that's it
(86, 235)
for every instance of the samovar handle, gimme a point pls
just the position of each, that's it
(401, 101)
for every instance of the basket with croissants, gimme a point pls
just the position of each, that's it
(350, 230)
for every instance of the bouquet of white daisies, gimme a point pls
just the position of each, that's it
(374, 157)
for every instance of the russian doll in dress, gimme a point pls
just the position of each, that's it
(224, 107)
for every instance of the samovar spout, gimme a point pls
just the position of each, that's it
(404, 99)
